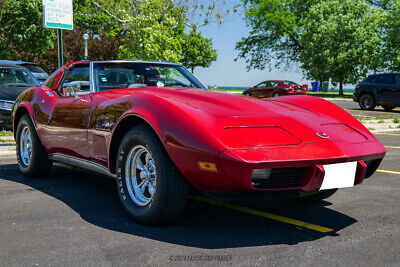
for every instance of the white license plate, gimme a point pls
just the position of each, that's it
(339, 175)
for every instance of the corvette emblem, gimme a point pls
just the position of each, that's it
(322, 135)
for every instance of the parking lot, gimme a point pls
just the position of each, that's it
(74, 218)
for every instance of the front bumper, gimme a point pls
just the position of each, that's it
(297, 168)
(5, 119)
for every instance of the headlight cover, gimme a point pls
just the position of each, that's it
(6, 105)
(260, 136)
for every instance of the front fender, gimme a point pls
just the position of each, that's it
(187, 135)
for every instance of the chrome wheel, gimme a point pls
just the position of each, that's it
(140, 175)
(25, 146)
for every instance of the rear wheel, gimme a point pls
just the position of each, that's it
(150, 187)
(388, 108)
(367, 102)
(276, 94)
(32, 158)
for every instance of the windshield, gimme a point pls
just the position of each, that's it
(33, 68)
(289, 83)
(17, 77)
(114, 75)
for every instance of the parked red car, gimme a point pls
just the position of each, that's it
(157, 129)
(275, 88)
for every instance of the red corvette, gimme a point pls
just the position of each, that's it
(275, 88)
(156, 128)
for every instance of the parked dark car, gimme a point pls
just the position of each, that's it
(34, 68)
(13, 81)
(378, 90)
(275, 88)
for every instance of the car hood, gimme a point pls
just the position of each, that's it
(10, 93)
(253, 121)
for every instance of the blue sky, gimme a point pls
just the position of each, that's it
(225, 71)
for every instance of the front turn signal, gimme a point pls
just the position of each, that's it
(207, 166)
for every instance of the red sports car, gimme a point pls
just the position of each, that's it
(275, 88)
(158, 130)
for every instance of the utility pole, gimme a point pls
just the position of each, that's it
(60, 48)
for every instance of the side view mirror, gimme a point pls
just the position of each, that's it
(72, 88)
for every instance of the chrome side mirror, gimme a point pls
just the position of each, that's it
(72, 88)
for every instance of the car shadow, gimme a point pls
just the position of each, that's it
(201, 225)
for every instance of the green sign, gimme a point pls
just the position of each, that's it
(58, 14)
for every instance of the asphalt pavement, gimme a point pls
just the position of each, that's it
(74, 218)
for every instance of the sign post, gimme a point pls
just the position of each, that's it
(58, 14)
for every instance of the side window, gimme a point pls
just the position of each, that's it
(398, 80)
(385, 79)
(76, 81)
(274, 84)
(261, 85)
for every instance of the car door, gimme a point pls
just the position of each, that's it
(66, 131)
(258, 90)
(385, 88)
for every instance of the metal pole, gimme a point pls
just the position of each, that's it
(60, 48)
(86, 49)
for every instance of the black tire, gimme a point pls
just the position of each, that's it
(171, 189)
(388, 108)
(247, 94)
(39, 165)
(276, 94)
(367, 102)
(318, 196)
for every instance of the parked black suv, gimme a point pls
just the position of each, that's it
(378, 89)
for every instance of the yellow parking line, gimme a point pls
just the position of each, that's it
(357, 115)
(396, 147)
(373, 111)
(264, 214)
(392, 134)
(391, 172)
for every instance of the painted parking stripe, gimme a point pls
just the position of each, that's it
(373, 111)
(395, 147)
(358, 115)
(264, 214)
(391, 172)
(392, 134)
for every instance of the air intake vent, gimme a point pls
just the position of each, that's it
(281, 178)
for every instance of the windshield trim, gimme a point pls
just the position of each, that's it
(92, 65)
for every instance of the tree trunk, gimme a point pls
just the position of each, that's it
(192, 68)
(341, 89)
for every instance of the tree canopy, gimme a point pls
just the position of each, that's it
(328, 39)
(197, 51)
(22, 29)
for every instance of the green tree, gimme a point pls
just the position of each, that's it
(22, 29)
(392, 38)
(155, 29)
(197, 51)
(341, 40)
(274, 37)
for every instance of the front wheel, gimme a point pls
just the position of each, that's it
(247, 94)
(150, 187)
(367, 102)
(32, 159)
